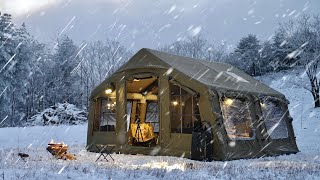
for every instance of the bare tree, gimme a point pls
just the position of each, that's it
(197, 47)
(312, 71)
(216, 52)
(100, 59)
(308, 50)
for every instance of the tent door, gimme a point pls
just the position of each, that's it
(201, 146)
(142, 97)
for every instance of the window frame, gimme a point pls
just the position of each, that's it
(158, 115)
(194, 94)
(249, 109)
(284, 116)
(101, 114)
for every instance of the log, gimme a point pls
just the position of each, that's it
(59, 150)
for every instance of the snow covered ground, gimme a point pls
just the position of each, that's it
(41, 165)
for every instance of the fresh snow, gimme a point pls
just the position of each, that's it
(41, 165)
(40, 136)
(61, 113)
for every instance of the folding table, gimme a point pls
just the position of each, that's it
(105, 150)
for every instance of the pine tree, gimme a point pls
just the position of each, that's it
(282, 46)
(17, 71)
(63, 77)
(266, 57)
(17, 57)
(248, 49)
(7, 48)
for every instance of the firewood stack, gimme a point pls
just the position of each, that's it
(59, 150)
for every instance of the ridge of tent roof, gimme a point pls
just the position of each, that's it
(214, 73)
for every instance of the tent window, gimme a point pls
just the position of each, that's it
(184, 110)
(152, 115)
(237, 119)
(108, 114)
(273, 114)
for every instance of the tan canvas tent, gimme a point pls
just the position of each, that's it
(163, 104)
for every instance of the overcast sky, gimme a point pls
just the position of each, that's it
(153, 23)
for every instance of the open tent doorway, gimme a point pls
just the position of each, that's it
(143, 110)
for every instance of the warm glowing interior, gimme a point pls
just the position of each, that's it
(142, 111)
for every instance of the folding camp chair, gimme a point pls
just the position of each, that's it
(105, 151)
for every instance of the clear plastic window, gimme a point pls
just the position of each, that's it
(152, 115)
(273, 114)
(237, 118)
(108, 114)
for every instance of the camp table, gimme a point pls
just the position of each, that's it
(105, 150)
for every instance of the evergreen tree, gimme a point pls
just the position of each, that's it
(7, 62)
(282, 46)
(266, 58)
(20, 72)
(249, 55)
(15, 60)
(36, 84)
(32, 77)
(63, 78)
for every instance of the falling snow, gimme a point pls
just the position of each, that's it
(69, 47)
(33, 140)
(195, 30)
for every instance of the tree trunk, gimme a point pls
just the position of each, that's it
(13, 109)
(316, 99)
(87, 94)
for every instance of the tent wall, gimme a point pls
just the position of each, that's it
(261, 144)
(282, 146)
(121, 112)
(164, 98)
(235, 148)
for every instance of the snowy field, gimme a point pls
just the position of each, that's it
(41, 165)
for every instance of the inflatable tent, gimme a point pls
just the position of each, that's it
(163, 104)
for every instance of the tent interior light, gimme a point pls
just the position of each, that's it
(108, 91)
(175, 103)
(228, 101)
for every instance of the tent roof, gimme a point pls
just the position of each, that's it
(213, 74)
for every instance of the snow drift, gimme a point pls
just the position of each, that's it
(61, 113)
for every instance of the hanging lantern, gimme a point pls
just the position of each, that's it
(228, 101)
